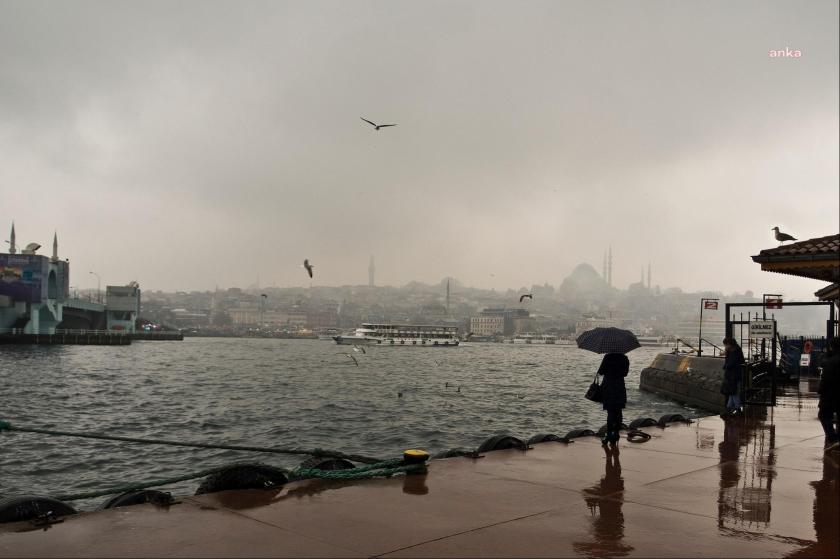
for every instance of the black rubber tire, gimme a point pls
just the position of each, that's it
(575, 433)
(453, 453)
(138, 498)
(636, 436)
(326, 464)
(546, 437)
(244, 476)
(27, 507)
(501, 442)
(672, 418)
(643, 422)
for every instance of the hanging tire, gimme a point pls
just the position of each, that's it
(575, 433)
(244, 476)
(672, 418)
(603, 430)
(138, 498)
(17, 509)
(501, 442)
(547, 437)
(643, 422)
(326, 464)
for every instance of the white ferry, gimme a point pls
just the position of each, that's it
(530, 338)
(402, 335)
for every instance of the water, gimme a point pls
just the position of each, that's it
(269, 392)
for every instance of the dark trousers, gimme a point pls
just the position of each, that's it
(826, 417)
(613, 424)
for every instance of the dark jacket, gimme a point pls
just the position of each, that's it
(733, 369)
(614, 367)
(829, 388)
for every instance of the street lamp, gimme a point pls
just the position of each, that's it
(98, 285)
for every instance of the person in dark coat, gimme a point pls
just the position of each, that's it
(614, 367)
(733, 370)
(829, 391)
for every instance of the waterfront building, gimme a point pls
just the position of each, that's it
(487, 325)
(122, 306)
(589, 323)
(513, 321)
(33, 289)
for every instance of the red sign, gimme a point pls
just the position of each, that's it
(773, 303)
(710, 305)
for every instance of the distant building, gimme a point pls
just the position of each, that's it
(501, 321)
(487, 325)
(589, 323)
(122, 306)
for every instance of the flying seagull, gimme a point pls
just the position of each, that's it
(308, 267)
(350, 355)
(377, 126)
(357, 348)
(528, 295)
(782, 237)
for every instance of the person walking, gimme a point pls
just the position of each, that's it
(829, 390)
(733, 365)
(614, 367)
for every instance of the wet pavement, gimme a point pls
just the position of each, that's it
(757, 486)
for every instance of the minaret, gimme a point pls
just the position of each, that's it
(371, 272)
(447, 296)
(12, 248)
(648, 275)
(604, 268)
(55, 247)
(609, 268)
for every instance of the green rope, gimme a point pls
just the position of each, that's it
(276, 450)
(113, 490)
(386, 468)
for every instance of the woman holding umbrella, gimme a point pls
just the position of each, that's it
(614, 367)
(614, 343)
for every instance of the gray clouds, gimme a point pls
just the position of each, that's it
(531, 136)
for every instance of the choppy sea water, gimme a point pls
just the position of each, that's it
(270, 392)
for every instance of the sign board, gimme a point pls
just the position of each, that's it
(805, 360)
(773, 303)
(762, 329)
(710, 305)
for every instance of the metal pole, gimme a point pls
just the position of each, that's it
(700, 332)
(98, 287)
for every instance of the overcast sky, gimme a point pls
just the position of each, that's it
(188, 145)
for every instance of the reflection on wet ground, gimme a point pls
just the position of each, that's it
(753, 486)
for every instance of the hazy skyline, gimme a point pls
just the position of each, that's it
(193, 144)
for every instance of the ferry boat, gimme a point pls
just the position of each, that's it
(530, 338)
(402, 335)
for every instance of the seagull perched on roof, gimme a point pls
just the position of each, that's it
(377, 126)
(782, 237)
(308, 266)
(528, 295)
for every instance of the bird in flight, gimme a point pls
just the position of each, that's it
(350, 355)
(782, 237)
(377, 126)
(308, 266)
(357, 348)
(528, 295)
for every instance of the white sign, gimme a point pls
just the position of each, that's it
(805, 360)
(763, 329)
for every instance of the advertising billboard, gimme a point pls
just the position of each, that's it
(22, 276)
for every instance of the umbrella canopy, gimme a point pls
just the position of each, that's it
(608, 340)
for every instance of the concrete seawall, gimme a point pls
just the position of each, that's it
(691, 380)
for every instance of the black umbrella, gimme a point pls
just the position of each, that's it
(608, 340)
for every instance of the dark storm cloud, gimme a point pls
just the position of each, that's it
(231, 131)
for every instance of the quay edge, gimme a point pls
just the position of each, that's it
(687, 379)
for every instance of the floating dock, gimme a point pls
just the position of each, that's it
(756, 486)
